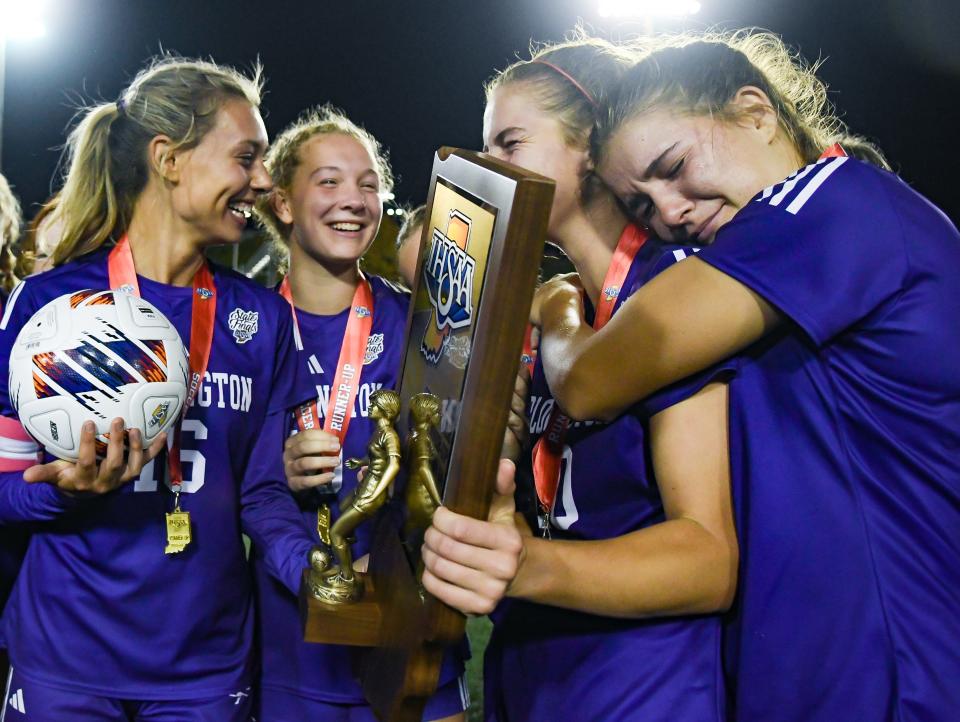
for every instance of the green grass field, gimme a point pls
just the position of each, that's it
(478, 632)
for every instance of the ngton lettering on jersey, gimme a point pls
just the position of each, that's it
(220, 389)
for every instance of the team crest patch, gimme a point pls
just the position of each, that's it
(374, 348)
(243, 324)
(458, 351)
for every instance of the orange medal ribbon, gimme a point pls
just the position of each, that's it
(346, 382)
(834, 151)
(123, 277)
(548, 450)
(528, 356)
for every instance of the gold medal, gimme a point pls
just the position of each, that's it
(178, 531)
(323, 523)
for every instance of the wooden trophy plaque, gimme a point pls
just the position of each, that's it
(479, 256)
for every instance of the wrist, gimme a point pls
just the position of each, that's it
(522, 585)
(59, 499)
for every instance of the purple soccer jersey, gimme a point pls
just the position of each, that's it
(324, 672)
(98, 607)
(547, 663)
(844, 431)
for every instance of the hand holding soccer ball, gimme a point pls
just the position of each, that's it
(116, 468)
(91, 373)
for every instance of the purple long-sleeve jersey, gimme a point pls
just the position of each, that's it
(324, 672)
(98, 607)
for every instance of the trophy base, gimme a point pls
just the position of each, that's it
(355, 623)
(333, 588)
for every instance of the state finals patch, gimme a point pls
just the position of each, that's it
(243, 324)
(374, 348)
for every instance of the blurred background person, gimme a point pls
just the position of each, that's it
(408, 244)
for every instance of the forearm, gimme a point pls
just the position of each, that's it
(591, 374)
(672, 568)
(567, 356)
(23, 502)
(269, 514)
(651, 342)
(20, 501)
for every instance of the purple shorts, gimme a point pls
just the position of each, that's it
(27, 701)
(277, 705)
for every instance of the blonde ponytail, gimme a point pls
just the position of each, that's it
(106, 154)
(88, 203)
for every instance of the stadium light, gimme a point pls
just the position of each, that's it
(19, 20)
(647, 8)
(22, 20)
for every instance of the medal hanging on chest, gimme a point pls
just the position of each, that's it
(123, 278)
(346, 381)
(548, 451)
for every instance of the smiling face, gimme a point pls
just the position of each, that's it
(333, 203)
(685, 176)
(218, 180)
(516, 130)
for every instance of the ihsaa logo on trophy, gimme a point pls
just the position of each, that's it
(448, 277)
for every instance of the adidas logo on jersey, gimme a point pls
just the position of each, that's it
(792, 193)
(314, 365)
(16, 701)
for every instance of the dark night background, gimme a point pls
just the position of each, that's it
(411, 72)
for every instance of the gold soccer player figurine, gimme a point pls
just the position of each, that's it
(338, 584)
(423, 496)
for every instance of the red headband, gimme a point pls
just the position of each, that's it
(564, 73)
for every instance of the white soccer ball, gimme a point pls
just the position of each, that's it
(97, 355)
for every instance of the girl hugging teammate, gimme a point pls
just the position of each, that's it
(831, 278)
(609, 614)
